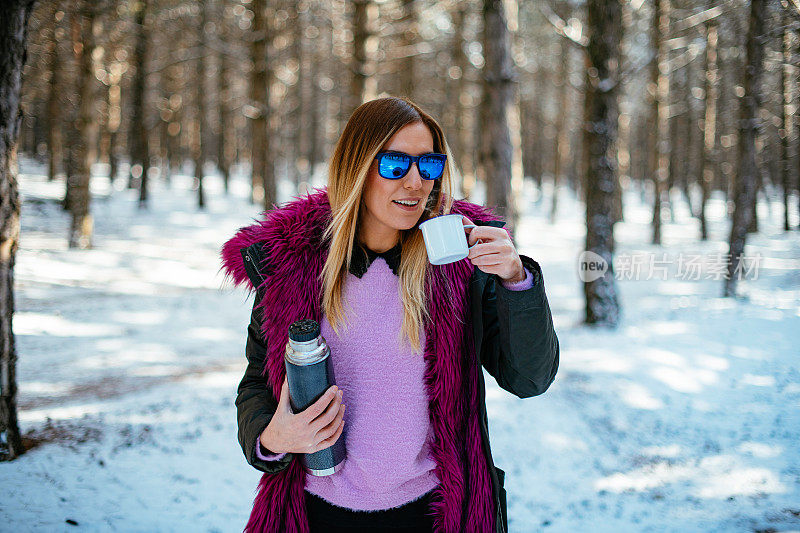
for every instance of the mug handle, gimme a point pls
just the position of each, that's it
(469, 226)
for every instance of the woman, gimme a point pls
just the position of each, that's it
(406, 339)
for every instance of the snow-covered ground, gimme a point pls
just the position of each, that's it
(685, 418)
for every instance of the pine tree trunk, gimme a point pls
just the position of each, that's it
(223, 102)
(81, 227)
(293, 123)
(358, 80)
(13, 35)
(659, 138)
(752, 227)
(263, 172)
(709, 159)
(258, 100)
(694, 137)
(604, 20)
(201, 120)
(70, 125)
(747, 168)
(497, 96)
(409, 42)
(677, 134)
(786, 118)
(536, 144)
(139, 151)
(562, 133)
(114, 100)
(460, 132)
(315, 148)
(55, 87)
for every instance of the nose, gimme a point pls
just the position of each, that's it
(412, 180)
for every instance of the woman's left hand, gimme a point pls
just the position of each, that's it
(495, 253)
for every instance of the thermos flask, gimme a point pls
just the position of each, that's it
(309, 371)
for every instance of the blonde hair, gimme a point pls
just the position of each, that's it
(369, 128)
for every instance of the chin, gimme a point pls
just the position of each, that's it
(411, 223)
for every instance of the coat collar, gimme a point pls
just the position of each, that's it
(363, 257)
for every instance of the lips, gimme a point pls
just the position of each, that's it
(408, 207)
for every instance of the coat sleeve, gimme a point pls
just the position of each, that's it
(520, 347)
(255, 403)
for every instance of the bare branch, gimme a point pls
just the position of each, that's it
(698, 18)
(572, 34)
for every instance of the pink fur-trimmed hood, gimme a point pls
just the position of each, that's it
(292, 234)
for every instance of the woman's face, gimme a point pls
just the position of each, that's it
(381, 218)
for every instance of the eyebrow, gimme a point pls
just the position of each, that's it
(409, 153)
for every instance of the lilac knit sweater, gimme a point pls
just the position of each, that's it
(387, 427)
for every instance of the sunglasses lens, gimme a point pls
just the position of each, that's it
(393, 166)
(431, 167)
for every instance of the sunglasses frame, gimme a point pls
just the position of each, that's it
(414, 161)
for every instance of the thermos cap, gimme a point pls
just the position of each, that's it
(304, 330)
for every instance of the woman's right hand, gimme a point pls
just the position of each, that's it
(314, 429)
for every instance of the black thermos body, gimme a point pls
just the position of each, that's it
(309, 371)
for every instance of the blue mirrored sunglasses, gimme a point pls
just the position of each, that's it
(395, 165)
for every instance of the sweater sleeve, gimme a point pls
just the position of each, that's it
(265, 455)
(523, 285)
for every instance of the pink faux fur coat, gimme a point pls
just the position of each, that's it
(292, 291)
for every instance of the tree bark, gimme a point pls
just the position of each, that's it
(71, 112)
(709, 159)
(562, 133)
(137, 138)
(114, 114)
(224, 155)
(13, 36)
(358, 81)
(81, 226)
(537, 144)
(498, 87)
(677, 133)
(319, 97)
(410, 37)
(604, 20)
(747, 168)
(54, 101)
(299, 118)
(456, 91)
(201, 120)
(786, 118)
(263, 170)
(659, 91)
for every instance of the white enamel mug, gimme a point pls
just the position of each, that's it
(445, 239)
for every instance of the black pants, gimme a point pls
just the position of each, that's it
(413, 517)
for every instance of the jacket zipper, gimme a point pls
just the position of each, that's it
(253, 265)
